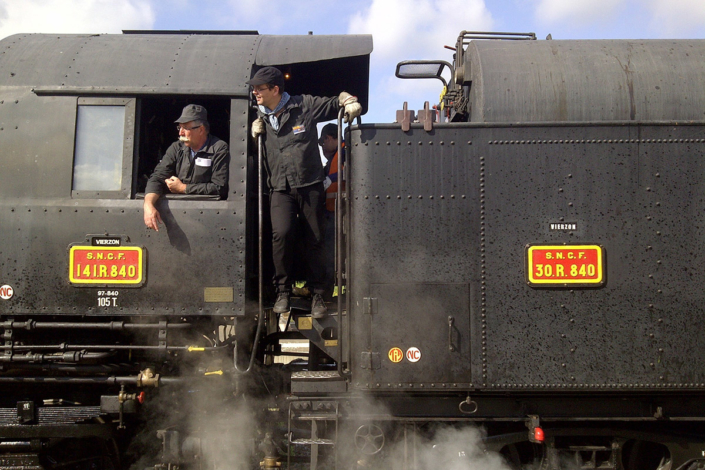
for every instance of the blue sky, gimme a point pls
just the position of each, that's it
(402, 29)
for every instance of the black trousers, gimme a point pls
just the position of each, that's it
(290, 210)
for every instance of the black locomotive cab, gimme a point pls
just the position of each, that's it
(95, 307)
(87, 130)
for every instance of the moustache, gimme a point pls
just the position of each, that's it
(183, 138)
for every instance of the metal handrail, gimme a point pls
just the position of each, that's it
(465, 36)
(260, 219)
(339, 240)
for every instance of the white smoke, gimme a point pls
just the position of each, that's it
(380, 442)
(459, 449)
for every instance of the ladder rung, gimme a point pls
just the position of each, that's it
(310, 442)
(330, 417)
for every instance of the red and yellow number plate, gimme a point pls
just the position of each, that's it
(106, 266)
(565, 265)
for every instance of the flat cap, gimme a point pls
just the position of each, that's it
(267, 76)
(193, 112)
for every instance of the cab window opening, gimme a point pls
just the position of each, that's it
(157, 131)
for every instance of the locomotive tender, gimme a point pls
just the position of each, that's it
(530, 262)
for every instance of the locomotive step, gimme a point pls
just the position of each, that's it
(303, 304)
(328, 381)
(310, 442)
(316, 417)
(322, 332)
(316, 375)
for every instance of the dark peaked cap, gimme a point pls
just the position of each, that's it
(193, 112)
(267, 76)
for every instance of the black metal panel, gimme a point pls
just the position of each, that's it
(279, 50)
(609, 80)
(440, 339)
(37, 139)
(671, 177)
(600, 178)
(641, 408)
(236, 230)
(635, 189)
(531, 338)
(113, 63)
(413, 214)
(46, 415)
(213, 64)
(408, 189)
(200, 246)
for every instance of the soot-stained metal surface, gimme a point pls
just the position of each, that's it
(413, 221)
(633, 189)
(109, 63)
(200, 247)
(641, 215)
(199, 250)
(182, 259)
(608, 80)
(197, 264)
(171, 63)
(278, 50)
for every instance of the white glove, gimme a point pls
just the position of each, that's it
(326, 183)
(258, 127)
(352, 108)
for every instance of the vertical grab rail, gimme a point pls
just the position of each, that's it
(339, 240)
(260, 219)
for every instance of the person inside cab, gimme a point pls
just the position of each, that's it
(197, 163)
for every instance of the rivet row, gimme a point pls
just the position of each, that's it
(597, 141)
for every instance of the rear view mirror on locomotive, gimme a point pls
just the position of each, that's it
(415, 69)
(525, 258)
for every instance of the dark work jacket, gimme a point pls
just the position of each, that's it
(292, 153)
(199, 178)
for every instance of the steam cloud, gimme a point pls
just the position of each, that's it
(447, 448)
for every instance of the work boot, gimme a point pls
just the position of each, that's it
(318, 307)
(282, 303)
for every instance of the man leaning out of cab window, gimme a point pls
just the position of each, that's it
(197, 163)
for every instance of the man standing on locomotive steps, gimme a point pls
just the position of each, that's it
(295, 177)
(197, 163)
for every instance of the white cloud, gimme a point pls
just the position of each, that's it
(281, 16)
(76, 16)
(412, 29)
(406, 29)
(623, 18)
(575, 11)
(247, 11)
(677, 18)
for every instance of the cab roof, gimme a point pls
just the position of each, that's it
(174, 62)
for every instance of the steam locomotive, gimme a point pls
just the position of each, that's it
(519, 267)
